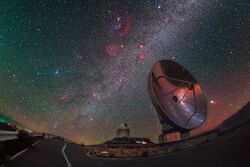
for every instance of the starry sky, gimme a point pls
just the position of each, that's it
(78, 69)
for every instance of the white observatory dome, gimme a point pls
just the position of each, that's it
(123, 130)
(123, 126)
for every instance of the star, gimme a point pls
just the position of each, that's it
(56, 72)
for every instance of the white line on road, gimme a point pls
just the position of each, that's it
(36, 143)
(65, 156)
(19, 153)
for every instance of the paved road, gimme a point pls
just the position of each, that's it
(233, 150)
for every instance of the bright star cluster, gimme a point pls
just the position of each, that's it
(80, 68)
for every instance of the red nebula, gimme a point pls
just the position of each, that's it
(141, 46)
(63, 97)
(112, 49)
(126, 25)
(120, 23)
(95, 95)
(142, 56)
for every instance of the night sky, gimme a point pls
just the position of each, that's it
(79, 68)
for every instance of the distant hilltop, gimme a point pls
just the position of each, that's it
(236, 120)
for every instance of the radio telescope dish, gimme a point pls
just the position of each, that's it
(176, 96)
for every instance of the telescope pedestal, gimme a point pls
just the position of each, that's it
(171, 134)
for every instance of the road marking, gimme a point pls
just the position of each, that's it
(36, 143)
(19, 153)
(65, 156)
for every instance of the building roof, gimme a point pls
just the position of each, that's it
(123, 126)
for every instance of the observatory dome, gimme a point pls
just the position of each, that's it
(123, 126)
(123, 130)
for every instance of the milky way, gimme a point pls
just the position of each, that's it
(79, 69)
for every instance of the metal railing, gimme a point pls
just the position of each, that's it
(8, 135)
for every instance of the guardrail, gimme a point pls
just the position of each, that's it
(8, 135)
(11, 142)
(36, 134)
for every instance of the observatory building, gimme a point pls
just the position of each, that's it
(123, 139)
(123, 130)
(178, 100)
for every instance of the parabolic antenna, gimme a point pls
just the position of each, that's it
(177, 96)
